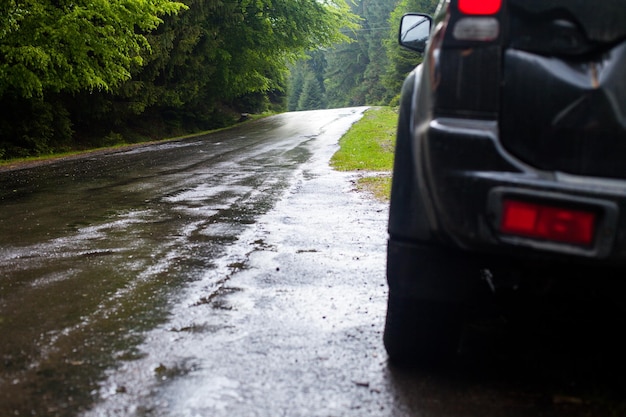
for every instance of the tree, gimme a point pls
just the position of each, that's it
(241, 48)
(103, 66)
(220, 54)
(377, 14)
(306, 79)
(297, 73)
(346, 68)
(355, 69)
(370, 69)
(312, 96)
(73, 45)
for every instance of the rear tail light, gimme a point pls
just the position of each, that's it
(547, 222)
(478, 24)
(480, 7)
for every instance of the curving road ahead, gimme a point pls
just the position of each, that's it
(232, 274)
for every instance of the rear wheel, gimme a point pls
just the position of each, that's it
(421, 332)
(432, 290)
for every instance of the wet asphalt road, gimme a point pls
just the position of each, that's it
(236, 274)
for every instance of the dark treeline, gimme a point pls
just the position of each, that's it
(367, 71)
(84, 73)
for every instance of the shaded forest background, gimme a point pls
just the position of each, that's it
(80, 74)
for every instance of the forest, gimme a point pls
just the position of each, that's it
(81, 74)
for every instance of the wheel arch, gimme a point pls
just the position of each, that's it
(407, 213)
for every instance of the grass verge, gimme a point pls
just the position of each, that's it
(368, 147)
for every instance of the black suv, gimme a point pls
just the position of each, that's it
(510, 160)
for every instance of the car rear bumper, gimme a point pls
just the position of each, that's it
(468, 175)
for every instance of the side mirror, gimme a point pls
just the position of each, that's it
(415, 31)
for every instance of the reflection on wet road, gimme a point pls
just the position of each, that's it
(92, 251)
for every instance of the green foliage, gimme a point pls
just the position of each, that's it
(355, 70)
(126, 69)
(370, 69)
(63, 45)
(296, 83)
(307, 83)
(312, 96)
(344, 78)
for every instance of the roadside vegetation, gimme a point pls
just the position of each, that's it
(89, 73)
(368, 147)
(85, 74)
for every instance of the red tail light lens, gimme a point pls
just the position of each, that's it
(481, 7)
(547, 222)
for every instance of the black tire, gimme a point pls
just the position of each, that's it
(433, 291)
(421, 333)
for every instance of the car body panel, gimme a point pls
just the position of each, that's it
(490, 119)
(580, 128)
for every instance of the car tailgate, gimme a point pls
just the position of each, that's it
(564, 85)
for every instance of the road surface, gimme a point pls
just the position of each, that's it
(232, 274)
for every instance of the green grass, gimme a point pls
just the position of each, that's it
(369, 147)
